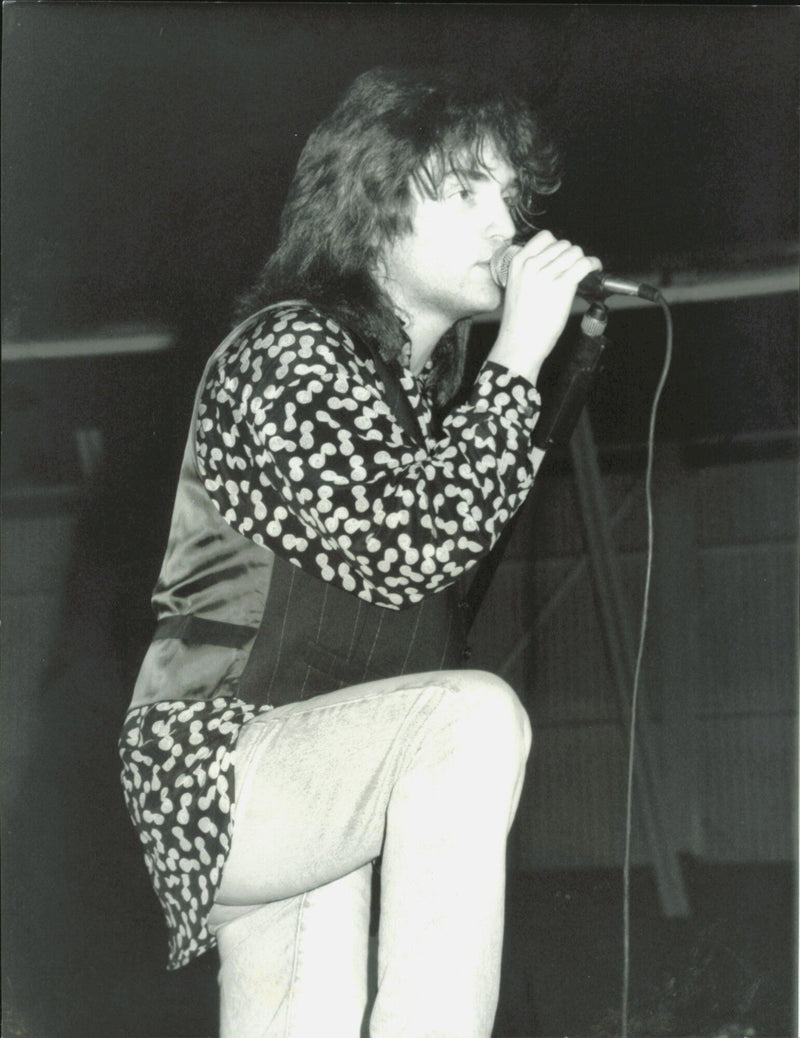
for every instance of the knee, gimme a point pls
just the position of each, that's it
(491, 710)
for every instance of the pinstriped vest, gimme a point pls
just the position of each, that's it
(235, 619)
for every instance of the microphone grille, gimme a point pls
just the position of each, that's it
(499, 264)
(592, 324)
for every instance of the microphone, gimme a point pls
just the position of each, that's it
(595, 286)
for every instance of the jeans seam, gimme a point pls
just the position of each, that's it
(242, 768)
(412, 748)
(295, 962)
(425, 686)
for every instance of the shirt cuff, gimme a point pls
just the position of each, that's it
(503, 392)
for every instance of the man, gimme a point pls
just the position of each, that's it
(303, 709)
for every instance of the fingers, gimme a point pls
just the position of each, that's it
(583, 266)
(555, 258)
(543, 277)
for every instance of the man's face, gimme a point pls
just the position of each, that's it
(439, 271)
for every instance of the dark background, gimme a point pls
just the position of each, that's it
(147, 149)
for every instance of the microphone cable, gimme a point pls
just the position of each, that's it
(626, 864)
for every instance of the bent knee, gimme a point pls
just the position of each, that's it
(493, 709)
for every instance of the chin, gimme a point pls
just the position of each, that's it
(487, 302)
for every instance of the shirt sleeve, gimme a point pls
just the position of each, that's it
(300, 452)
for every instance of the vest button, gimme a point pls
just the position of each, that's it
(466, 654)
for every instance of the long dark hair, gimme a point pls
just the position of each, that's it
(351, 195)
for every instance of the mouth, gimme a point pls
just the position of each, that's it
(487, 266)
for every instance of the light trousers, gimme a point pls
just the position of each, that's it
(423, 771)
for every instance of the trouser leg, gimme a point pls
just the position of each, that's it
(425, 770)
(445, 853)
(298, 966)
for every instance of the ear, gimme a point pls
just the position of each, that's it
(380, 268)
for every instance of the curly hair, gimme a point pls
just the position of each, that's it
(352, 195)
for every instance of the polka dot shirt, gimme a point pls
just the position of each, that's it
(300, 452)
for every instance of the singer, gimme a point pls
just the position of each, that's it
(304, 710)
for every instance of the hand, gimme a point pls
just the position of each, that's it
(542, 279)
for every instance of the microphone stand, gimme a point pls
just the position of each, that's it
(559, 417)
(561, 411)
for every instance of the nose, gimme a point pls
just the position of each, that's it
(500, 222)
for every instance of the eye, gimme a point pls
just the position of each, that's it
(463, 192)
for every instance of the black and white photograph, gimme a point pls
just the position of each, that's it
(399, 600)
